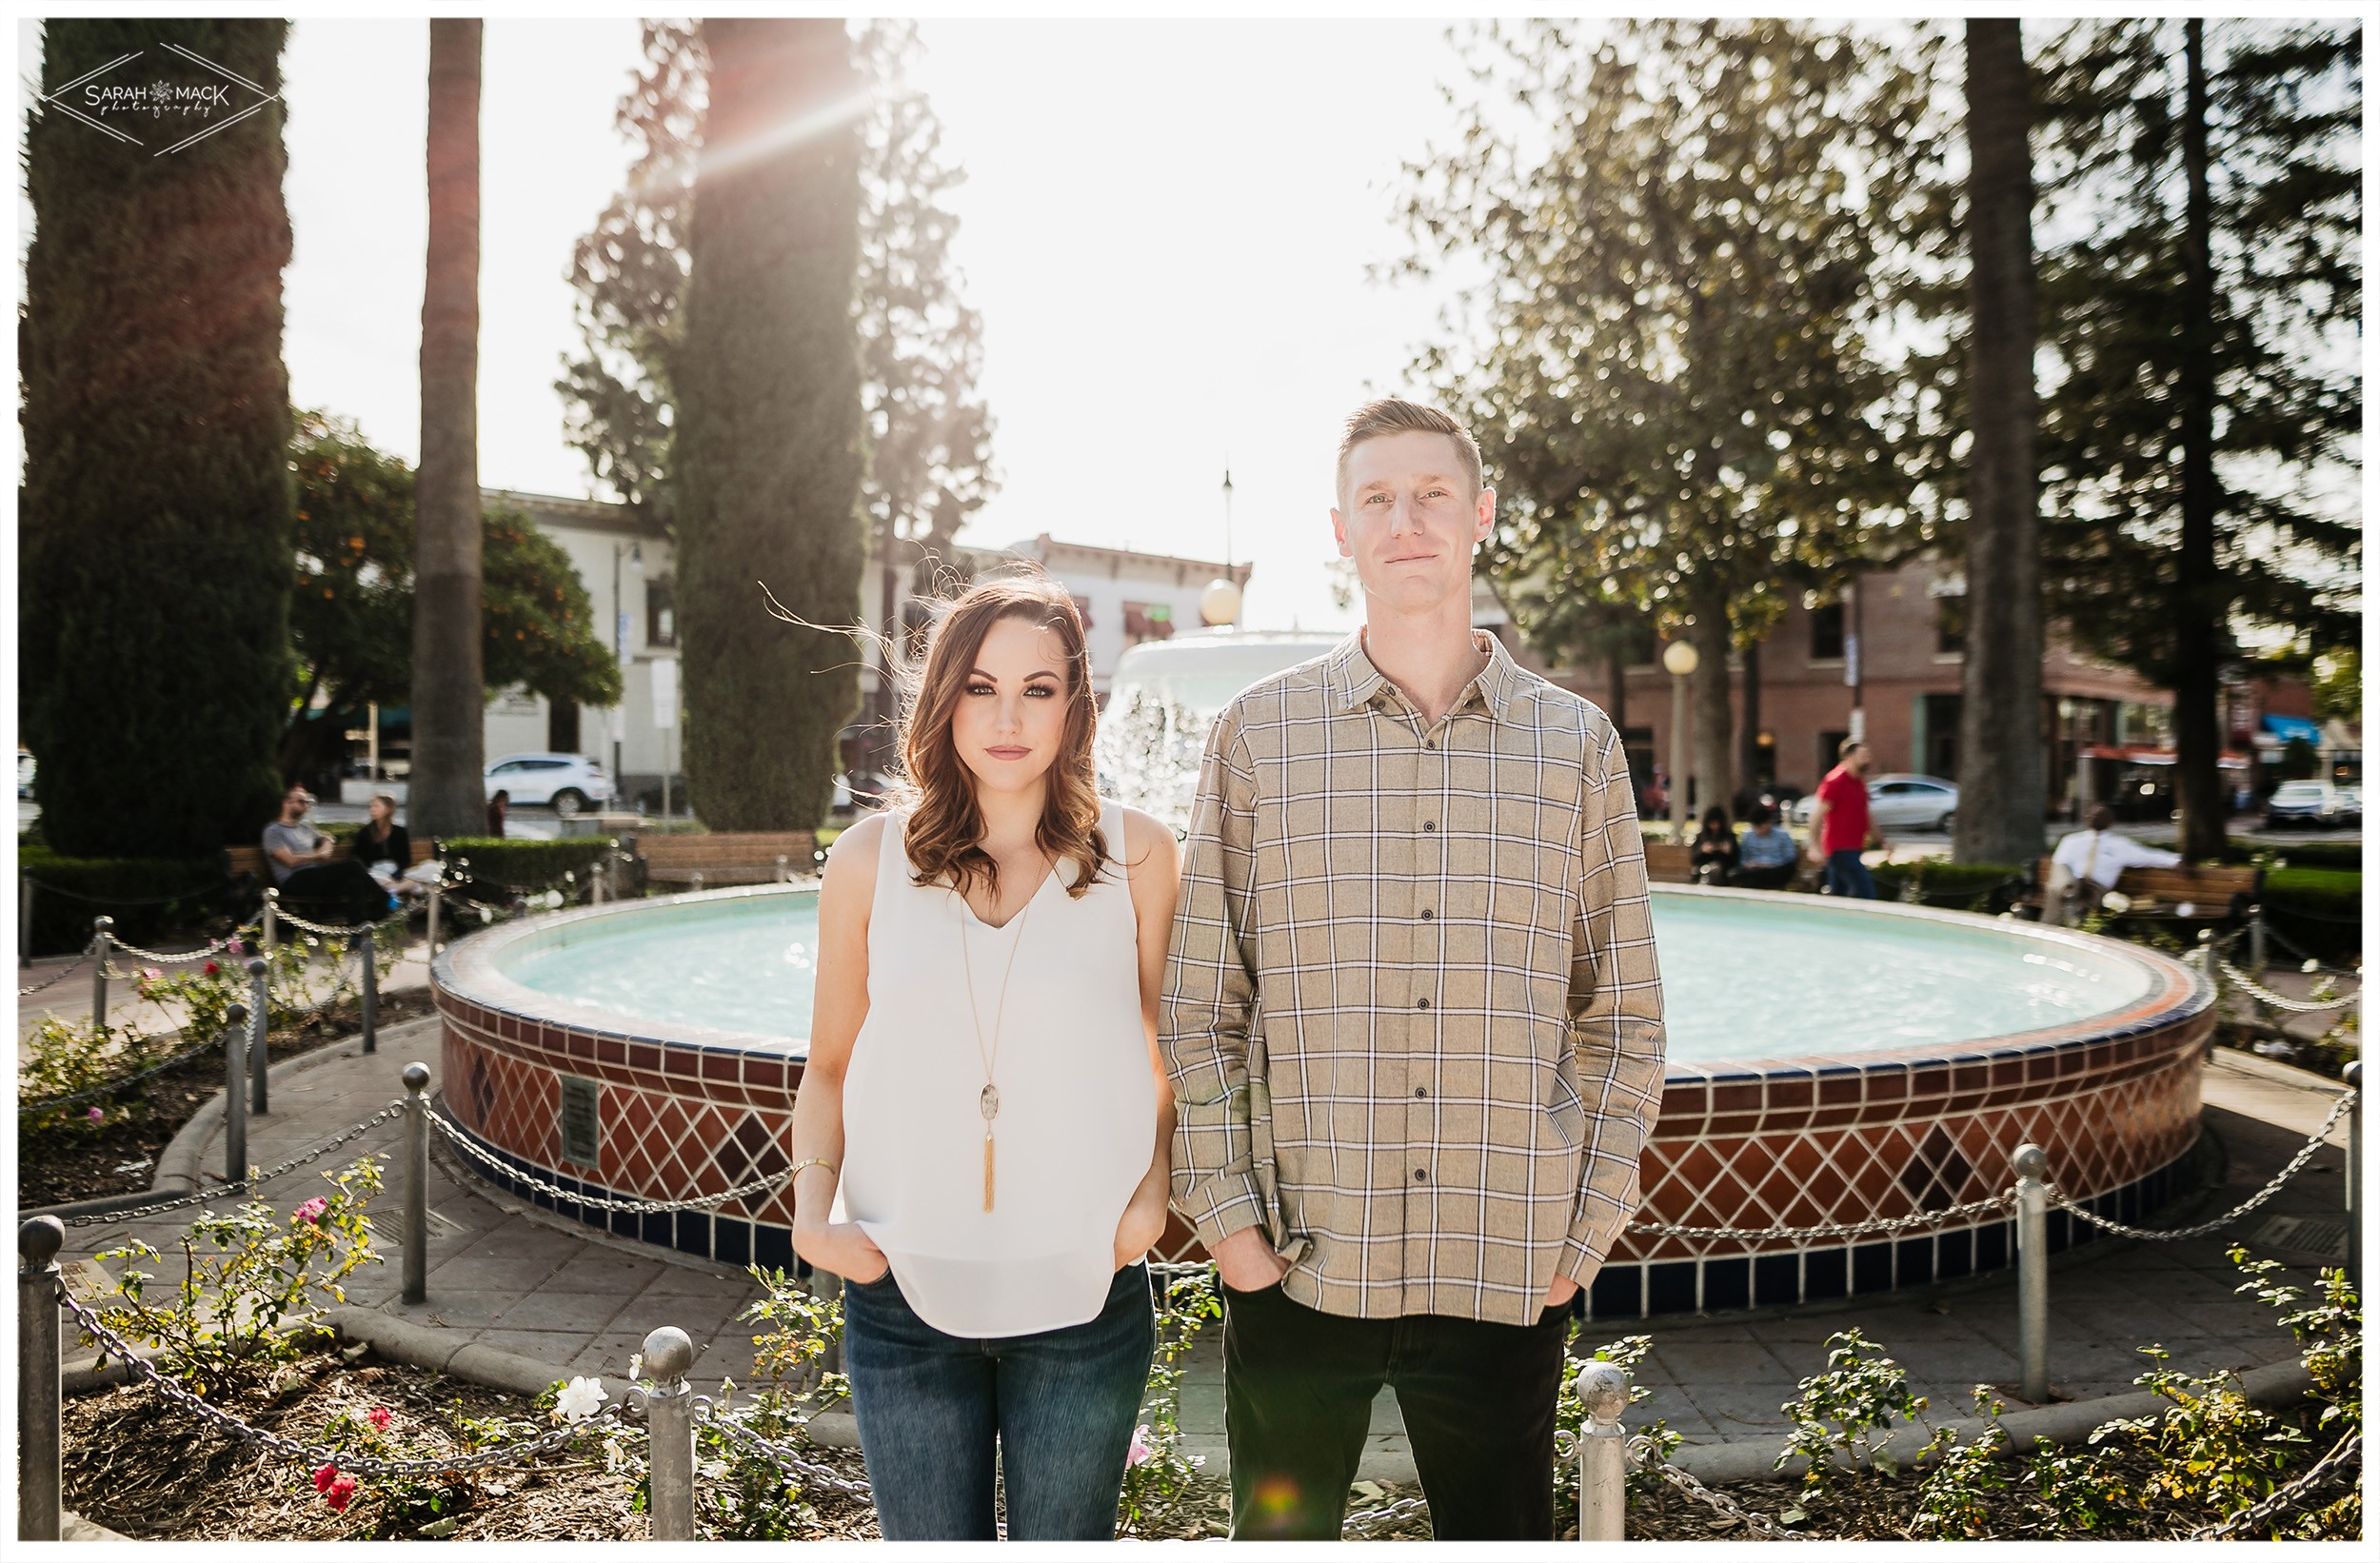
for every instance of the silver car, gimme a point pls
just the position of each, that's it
(1904, 802)
(567, 781)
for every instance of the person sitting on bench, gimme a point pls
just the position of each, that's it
(2087, 864)
(300, 858)
(1767, 859)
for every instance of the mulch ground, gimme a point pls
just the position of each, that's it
(154, 1473)
(121, 1155)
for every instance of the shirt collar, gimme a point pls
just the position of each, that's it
(1354, 682)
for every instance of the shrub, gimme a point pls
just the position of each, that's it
(1860, 1394)
(1973, 887)
(525, 864)
(1156, 1473)
(241, 1305)
(67, 1058)
(151, 898)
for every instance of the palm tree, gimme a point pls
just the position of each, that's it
(2002, 789)
(446, 797)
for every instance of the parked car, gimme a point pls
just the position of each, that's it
(1900, 802)
(2351, 805)
(567, 781)
(24, 774)
(2313, 804)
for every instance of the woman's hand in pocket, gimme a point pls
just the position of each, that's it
(841, 1249)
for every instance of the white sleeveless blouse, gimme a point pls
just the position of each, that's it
(1078, 1101)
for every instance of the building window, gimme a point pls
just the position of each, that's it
(1826, 633)
(1148, 622)
(660, 612)
(1950, 626)
(562, 727)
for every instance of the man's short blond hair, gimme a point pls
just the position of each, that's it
(1395, 415)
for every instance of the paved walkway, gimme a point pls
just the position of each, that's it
(509, 1278)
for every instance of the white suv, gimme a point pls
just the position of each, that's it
(568, 781)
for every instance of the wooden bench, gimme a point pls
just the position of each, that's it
(1666, 862)
(2218, 893)
(726, 857)
(250, 860)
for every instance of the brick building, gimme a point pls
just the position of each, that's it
(1894, 647)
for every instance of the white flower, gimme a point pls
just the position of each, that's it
(576, 1401)
(636, 1368)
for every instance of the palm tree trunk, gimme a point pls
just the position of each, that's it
(446, 796)
(2200, 627)
(2002, 787)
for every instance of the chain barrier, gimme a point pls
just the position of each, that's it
(1360, 1524)
(315, 1456)
(209, 1197)
(2304, 1153)
(2265, 996)
(782, 1457)
(327, 932)
(214, 947)
(1834, 1229)
(2346, 1451)
(131, 901)
(1646, 1456)
(57, 977)
(464, 1142)
(109, 1088)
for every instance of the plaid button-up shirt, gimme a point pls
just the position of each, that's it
(1413, 1014)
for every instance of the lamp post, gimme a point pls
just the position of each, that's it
(635, 553)
(1682, 660)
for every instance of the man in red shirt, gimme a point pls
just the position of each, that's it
(1840, 826)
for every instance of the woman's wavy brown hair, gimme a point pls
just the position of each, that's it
(945, 827)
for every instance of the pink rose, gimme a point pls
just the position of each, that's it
(311, 1211)
(340, 1494)
(97, 1115)
(1141, 1450)
(379, 1418)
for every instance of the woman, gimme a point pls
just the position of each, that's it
(1715, 848)
(497, 807)
(980, 1139)
(383, 847)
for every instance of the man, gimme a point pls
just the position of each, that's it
(1414, 1023)
(1766, 858)
(300, 858)
(2086, 865)
(1841, 828)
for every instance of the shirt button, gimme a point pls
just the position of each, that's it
(1427, 915)
(1429, 824)
(1420, 1176)
(1429, 743)
(1422, 1003)
(1420, 1091)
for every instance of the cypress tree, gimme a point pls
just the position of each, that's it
(154, 552)
(768, 454)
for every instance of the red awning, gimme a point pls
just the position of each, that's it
(2230, 761)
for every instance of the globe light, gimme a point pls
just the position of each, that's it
(1219, 602)
(1682, 659)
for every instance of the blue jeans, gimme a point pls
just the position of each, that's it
(1058, 1407)
(1846, 875)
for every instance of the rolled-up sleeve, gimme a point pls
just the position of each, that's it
(1615, 1011)
(1210, 1000)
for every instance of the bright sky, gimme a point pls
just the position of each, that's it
(1166, 226)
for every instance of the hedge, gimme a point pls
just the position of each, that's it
(1944, 883)
(2320, 910)
(526, 865)
(151, 898)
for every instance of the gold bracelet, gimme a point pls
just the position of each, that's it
(809, 1161)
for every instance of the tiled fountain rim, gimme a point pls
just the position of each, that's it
(468, 969)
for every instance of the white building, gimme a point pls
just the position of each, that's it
(627, 567)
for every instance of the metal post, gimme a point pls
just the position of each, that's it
(2354, 1073)
(698, 881)
(1680, 755)
(40, 1420)
(595, 885)
(235, 1094)
(271, 919)
(102, 940)
(2033, 1272)
(24, 923)
(669, 1428)
(416, 1182)
(258, 1022)
(429, 939)
(369, 947)
(1603, 1453)
(782, 877)
(2255, 942)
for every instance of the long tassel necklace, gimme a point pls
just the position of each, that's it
(988, 1100)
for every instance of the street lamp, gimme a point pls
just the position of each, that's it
(634, 552)
(1682, 660)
